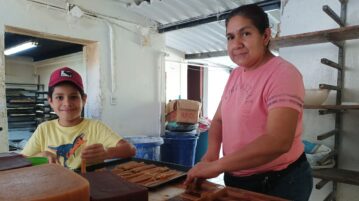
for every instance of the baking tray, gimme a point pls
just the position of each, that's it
(111, 164)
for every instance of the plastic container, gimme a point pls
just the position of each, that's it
(181, 127)
(147, 147)
(179, 148)
(202, 146)
(38, 160)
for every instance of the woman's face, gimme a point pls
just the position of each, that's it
(245, 45)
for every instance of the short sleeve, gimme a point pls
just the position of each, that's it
(33, 146)
(285, 89)
(108, 137)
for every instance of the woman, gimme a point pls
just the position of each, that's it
(259, 118)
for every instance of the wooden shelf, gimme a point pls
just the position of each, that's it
(338, 175)
(21, 102)
(332, 107)
(20, 108)
(335, 35)
(22, 115)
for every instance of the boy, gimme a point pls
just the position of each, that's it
(70, 138)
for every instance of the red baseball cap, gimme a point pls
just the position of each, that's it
(66, 74)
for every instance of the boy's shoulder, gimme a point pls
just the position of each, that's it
(48, 123)
(96, 124)
(92, 121)
(86, 122)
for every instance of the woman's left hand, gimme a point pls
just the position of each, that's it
(203, 170)
(94, 153)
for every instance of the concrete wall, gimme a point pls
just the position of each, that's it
(306, 16)
(20, 70)
(176, 75)
(137, 62)
(216, 81)
(46, 67)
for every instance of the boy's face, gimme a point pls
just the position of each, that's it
(67, 103)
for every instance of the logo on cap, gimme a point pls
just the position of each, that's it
(66, 73)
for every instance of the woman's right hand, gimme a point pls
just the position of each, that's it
(51, 157)
(203, 170)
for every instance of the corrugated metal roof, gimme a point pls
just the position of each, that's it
(169, 11)
(202, 38)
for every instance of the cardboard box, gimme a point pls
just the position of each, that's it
(184, 111)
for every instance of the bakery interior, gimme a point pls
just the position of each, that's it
(154, 72)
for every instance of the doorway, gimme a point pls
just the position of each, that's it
(195, 83)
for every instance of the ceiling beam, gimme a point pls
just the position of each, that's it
(206, 55)
(266, 5)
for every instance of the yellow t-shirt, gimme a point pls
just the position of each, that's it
(67, 142)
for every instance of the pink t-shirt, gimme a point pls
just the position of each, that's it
(246, 101)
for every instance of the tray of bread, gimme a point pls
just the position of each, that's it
(150, 174)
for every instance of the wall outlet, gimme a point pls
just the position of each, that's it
(113, 100)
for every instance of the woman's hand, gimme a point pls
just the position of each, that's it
(51, 157)
(94, 153)
(203, 170)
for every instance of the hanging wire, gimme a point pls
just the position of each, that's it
(88, 13)
(206, 65)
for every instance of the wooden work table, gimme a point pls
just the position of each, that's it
(174, 191)
(166, 192)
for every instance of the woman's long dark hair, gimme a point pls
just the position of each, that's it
(253, 12)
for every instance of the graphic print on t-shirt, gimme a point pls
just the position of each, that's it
(67, 150)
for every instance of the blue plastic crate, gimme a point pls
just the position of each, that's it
(147, 147)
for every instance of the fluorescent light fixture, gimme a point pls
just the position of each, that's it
(20, 47)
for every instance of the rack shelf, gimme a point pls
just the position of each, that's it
(332, 107)
(21, 100)
(338, 175)
(337, 37)
(330, 35)
(26, 107)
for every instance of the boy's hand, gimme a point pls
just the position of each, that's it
(94, 153)
(51, 157)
